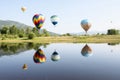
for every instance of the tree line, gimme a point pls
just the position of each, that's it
(30, 33)
(14, 32)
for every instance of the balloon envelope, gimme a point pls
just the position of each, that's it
(86, 51)
(55, 56)
(38, 20)
(54, 19)
(85, 24)
(23, 9)
(39, 56)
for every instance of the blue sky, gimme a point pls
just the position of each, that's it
(70, 12)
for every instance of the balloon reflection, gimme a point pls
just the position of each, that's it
(39, 56)
(23, 9)
(86, 51)
(25, 67)
(55, 56)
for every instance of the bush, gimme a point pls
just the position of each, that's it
(31, 35)
(3, 37)
(21, 35)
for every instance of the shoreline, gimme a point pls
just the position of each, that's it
(68, 39)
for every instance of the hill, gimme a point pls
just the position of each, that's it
(11, 23)
(19, 25)
(90, 33)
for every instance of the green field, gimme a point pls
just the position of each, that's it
(69, 39)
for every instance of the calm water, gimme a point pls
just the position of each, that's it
(73, 61)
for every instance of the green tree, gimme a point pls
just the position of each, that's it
(13, 30)
(45, 32)
(67, 34)
(113, 32)
(28, 30)
(36, 31)
(31, 35)
(22, 31)
(5, 30)
(21, 35)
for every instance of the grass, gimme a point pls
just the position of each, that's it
(69, 39)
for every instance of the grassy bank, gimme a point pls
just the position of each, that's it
(69, 39)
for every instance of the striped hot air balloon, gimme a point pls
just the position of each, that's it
(38, 20)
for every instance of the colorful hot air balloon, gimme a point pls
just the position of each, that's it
(55, 56)
(85, 25)
(38, 20)
(23, 9)
(86, 51)
(54, 19)
(39, 56)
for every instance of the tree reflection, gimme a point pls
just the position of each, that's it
(113, 44)
(86, 51)
(14, 48)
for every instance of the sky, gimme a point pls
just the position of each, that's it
(103, 14)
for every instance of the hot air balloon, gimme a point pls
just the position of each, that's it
(25, 67)
(39, 56)
(85, 24)
(23, 9)
(38, 20)
(86, 51)
(55, 56)
(54, 19)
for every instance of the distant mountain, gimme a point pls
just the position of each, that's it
(51, 33)
(19, 25)
(90, 33)
(10, 23)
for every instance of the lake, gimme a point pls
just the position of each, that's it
(59, 61)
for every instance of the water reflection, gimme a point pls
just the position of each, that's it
(86, 51)
(39, 56)
(113, 44)
(15, 48)
(25, 67)
(55, 56)
(103, 65)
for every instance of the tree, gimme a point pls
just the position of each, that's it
(21, 31)
(45, 32)
(28, 30)
(36, 31)
(31, 35)
(21, 35)
(113, 32)
(67, 34)
(13, 30)
(5, 30)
